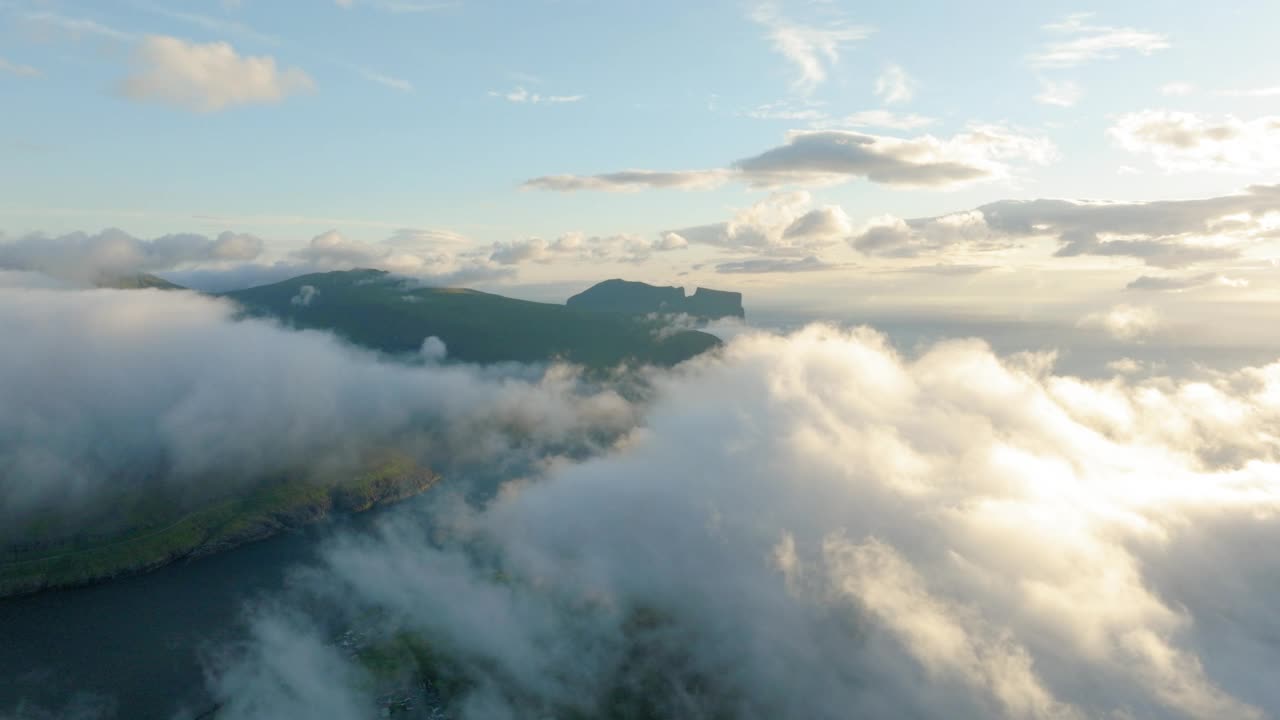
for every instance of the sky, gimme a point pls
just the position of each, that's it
(488, 143)
(1000, 438)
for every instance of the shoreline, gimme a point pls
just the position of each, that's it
(261, 514)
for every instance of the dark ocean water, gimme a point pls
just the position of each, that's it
(134, 648)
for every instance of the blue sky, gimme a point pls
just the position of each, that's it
(386, 114)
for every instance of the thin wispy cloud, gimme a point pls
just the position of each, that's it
(1064, 93)
(78, 26)
(1085, 43)
(1252, 92)
(880, 119)
(398, 7)
(18, 69)
(218, 26)
(521, 96)
(394, 83)
(1177, 89)
(895, 86)
(812, 50)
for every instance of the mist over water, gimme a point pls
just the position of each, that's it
(812, 525)
(813, 521)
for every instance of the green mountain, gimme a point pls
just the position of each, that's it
(637, 298)
(138, 282)
(376, 310)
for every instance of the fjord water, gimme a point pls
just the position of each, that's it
(133, 648)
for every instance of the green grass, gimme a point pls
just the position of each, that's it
(374, 310)
(158, 534)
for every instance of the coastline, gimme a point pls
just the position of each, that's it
(261, 514)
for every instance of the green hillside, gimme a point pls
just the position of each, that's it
(376, 310)
(140, 281)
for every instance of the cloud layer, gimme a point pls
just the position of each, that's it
(111, 390)
(83, 258)
(816, 157)
(815, 526)
(1173, 233)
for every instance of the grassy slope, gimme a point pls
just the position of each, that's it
(157, 537)
(371, 309)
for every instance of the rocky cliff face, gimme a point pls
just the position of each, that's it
(715, 304)
(637, 298)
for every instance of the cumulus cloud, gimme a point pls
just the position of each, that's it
(816, 157)
(434, 257)
(579, 247)
(813, 526)
(424, 255)
(1167, 233)
(1083, 43)
(894, 85)
(207, 77)
(812, 50)
(782, 223)
(1190, 142)
(1124, 322)
(113, 253)
(200, 402)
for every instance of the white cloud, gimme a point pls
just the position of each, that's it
(1173, 233)
(787, 111)
(894, 85)
(394, 83)
(113, 253)
(1086, 43)
(1190, 142)
(1182, 283)
(435, 257)
(816, 157)
(203, 401)
(521, 95)
(401, 7)
(1177, 89)
(783, 223)
(210, 24)
(1124, 322)
(812, 50)
(881, 119)
(1065, 93)
(953, 534)
(1253, 92)
(77, 26)
(18, 69)
(761, 266)
(306, 295)
(825, 156)
(207, 77)
(579, 247)
(415, 256)
(631, 181)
